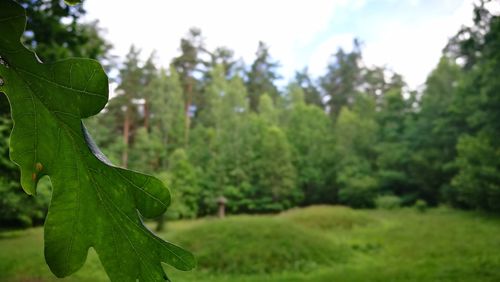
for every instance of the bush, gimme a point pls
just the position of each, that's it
(357, 197)
(421, 206)
(388, 202)
(358, 191)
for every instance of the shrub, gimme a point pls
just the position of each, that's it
(388, 202)
(357, 191)
(421, 206)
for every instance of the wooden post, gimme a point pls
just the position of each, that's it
(221, 201)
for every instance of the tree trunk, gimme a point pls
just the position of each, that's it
(126, 137)
(160, 224)
(187, 107)
(146, 115)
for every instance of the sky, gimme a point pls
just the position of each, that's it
(406, 36)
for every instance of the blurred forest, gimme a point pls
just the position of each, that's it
(211, 126)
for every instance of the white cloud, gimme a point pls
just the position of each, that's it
(287, 26)
(414, 48)
(290, 28)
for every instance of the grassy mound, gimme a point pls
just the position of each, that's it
(328, 217)
(250, 245)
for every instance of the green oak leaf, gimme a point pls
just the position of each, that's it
(94, 204)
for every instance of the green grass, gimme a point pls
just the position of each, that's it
(249, 245)
(313, 244)
(327, 217)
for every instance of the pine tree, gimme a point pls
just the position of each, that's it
(312, 95)
(261, 77)
(187, 64)
(124, 105)
(340, 83)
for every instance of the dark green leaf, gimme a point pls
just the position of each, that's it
(94, 203)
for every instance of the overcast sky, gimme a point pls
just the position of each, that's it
(405, 35)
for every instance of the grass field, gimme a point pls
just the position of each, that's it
(313, 244)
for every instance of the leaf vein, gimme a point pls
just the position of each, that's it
(142, 189)
(61, 85)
